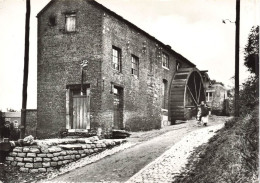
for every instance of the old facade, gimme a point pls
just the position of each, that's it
(96, 69)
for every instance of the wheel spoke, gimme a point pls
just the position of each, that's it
(192, 95)
(199, 93)
(195, 85)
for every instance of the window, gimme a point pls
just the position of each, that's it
(209, 96)
(165, 60)
(135, 66)
(70, 21)
(117, 59)
(178, 66)
(164, 93)
(52, 20)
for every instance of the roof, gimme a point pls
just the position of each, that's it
(12, 114)
(93, 2)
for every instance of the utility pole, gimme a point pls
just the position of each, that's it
(236, 102)
(26, 70)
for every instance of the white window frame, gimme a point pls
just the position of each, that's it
(135, 66)
(116, 59)
(165, 61)
(70, 22)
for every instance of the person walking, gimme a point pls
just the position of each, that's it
(204, 113)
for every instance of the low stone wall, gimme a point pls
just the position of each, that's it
(45, 155)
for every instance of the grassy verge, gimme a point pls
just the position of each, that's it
(230, 156)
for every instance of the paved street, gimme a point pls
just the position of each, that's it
(121, 166)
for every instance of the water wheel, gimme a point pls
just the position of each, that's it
(186, 92)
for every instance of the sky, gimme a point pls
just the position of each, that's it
(192, 28)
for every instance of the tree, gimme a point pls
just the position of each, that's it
(251, 54)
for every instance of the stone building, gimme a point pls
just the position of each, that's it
(98, 70)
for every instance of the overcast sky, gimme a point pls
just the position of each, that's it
(193, 28)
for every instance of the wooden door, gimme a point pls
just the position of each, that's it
(81, 111)
(118, 108)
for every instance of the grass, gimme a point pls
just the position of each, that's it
(230, 157)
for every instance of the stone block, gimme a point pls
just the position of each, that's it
(71, 146)
(56, 154)
(86, 151)
(34, 150)
(13, 154)
(78, 156)
(63, 153)
(100, 149)
(18, 149)
(73, 156)
(50, 155)
(93, 146)
(65, 161)
(55, 149)
(70, 152)
(42, 155)
(60, 157)
(14, 163)
(91, 151)
(81, 151)
(75, 152)
(18, 159)
(8, 158)
(60, 163)
(28, 159)
(37, 159)
(8, 162)
(37, 165)
(46, 159)
(54, 163)
(32, 155)
(22, 169)
(103, 145)
(20, 164)
(98, 145)
(67, 157)
(21, 155)
(46, 164)
(26, 149)
(33, 170)
(44, 149)
(95, 149)
(28, 165)
(55, 159)
(50, 169)
(83, 155)
(84, 146)
(42, 170)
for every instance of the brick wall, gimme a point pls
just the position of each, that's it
(31, 122)
(59, 58)
(97, 30)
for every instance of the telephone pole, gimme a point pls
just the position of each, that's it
(236, 101)
(26, 70)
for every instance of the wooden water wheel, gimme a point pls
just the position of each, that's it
(186, 92)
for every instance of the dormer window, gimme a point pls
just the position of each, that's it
(70, 22)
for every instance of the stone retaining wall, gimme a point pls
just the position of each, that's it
(43, 156)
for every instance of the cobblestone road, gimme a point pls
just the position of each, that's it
(170, 163)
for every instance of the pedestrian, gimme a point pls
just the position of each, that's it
(204, 113)
(6, 130)
(199, 115)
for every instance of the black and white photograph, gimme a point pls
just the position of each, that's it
(129, 91)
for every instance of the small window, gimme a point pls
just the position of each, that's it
(70, 25)
(164, 94)
(178, 66)
(117, 59)
(135, 66)
(165, 60)
(209, 96)
(52, 20)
